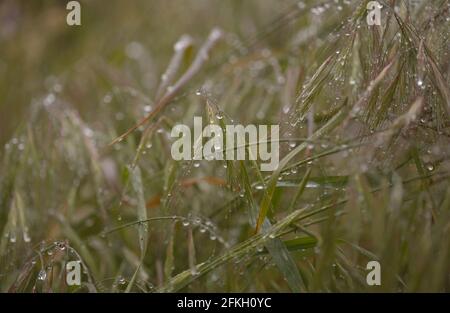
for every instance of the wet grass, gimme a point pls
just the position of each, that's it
(86, 171)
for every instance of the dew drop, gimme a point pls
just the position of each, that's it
(194, 271)
(49, 99)
(42, 275)
(147, 108)
(259, 187)
(61, 245)
(107, 98)
(119, 116)
(12, 237)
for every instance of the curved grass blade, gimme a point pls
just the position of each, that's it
(329, 126)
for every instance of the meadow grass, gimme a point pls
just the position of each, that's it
(86, 171)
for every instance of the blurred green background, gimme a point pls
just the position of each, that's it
(37, 47)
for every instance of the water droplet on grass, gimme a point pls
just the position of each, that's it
(259, 187)
(61, 245)
(147, 108)
(42, 275)
(88, 132)
(49, 99)
(107, 98)
(134, 50)
(194, 271)
(12, 237)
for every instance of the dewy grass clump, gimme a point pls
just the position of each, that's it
(87, 173)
